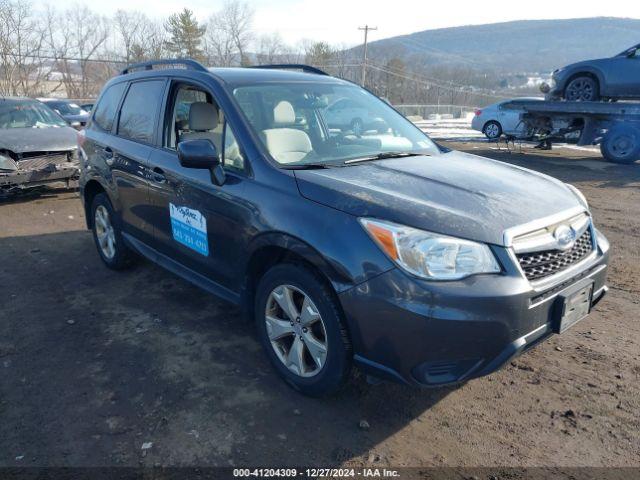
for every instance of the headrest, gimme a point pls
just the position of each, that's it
(284, 114)
(203, 116)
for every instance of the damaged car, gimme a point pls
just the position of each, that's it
(37, 147)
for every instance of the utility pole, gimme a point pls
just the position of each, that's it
(366, 29)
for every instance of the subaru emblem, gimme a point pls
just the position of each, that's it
(565, 237)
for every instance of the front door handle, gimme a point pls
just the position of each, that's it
(157, 175)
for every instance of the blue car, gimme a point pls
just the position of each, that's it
(379, 249)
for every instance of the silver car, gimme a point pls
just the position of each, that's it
(494, 120)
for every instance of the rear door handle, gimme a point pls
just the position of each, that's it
(109, 157)
(157, 175)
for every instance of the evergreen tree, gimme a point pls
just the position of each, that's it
(186, 35)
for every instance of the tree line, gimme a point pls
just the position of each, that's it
(73, 52)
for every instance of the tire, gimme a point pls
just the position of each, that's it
(107, 235)
(621, 144)
(492, 130)
(582, 89)
(313, 376)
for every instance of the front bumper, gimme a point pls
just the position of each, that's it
(438, 333)
(24, 179)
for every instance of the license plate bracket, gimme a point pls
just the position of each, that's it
(573, 305)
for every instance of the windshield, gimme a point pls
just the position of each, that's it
(320, 123)
(66, 108)
(29, 114)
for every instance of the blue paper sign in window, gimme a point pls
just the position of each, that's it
(189, 227)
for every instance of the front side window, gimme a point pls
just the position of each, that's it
(28, 114)
(302, 123)
(105, 111)
(195, 116)
(139, 111)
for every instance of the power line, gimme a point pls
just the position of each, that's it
(366, 29)
(444, 87)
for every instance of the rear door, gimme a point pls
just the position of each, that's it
(128, 154)
(509, 120)
(119, 162)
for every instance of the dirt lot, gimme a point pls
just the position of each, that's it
(95, 363)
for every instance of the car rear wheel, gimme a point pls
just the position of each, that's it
(621, 144)
(492, 130)
(300, 327)
(582, 89)
(107, 236)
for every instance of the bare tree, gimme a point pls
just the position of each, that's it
(75, 37)
(23, 70)
(230, 34)
(271, 48)
(138, 38)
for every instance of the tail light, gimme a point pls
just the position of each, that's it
(478, 113)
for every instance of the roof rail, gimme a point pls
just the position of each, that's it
(185, 62)
(293, 66)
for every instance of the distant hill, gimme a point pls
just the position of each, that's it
(520, 46)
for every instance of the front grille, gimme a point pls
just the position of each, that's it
(42, 162)
(539, 265)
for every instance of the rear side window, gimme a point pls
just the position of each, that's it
(105, 111)
(139, 111)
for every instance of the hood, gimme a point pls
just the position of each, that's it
(454, 193)
(51, 139)
(588, 64)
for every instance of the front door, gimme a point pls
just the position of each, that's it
(623, 74)
(196, 223)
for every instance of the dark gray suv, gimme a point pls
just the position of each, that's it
(616, 77)
(371, 247)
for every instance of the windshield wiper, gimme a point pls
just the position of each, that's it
(384, 156)
(306, 166)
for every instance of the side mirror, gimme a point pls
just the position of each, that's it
(77, 125)
(201, 154)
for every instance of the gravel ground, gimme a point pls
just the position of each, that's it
(99, 368)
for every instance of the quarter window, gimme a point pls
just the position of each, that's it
(105, 111)
(140, 111)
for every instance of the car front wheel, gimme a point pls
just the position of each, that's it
(300, 326)
(582, 89)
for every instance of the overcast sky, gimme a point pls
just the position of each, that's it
(337, 21)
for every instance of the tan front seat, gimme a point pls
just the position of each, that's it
(286, 144)
(203, 120)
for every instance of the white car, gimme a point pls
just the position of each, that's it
(494, 120)
(348, 115)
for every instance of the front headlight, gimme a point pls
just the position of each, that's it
(429, 255)
(578, 194)
(7, 163)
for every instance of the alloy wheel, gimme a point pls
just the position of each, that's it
(296, 330)
(104, 232)
(492, 130)
(580, 90)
